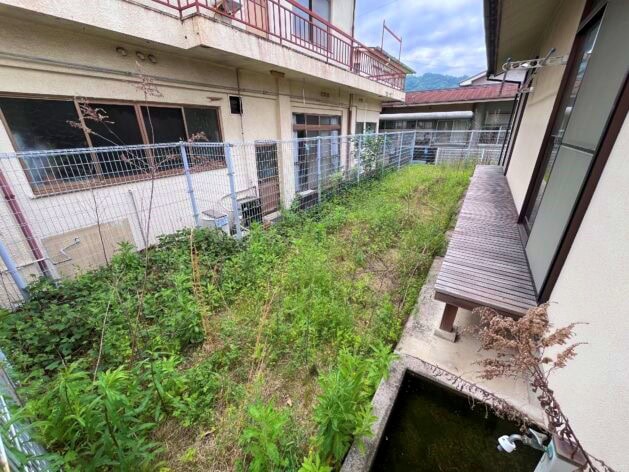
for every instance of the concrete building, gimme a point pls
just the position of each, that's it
(256, 71)
(559, 205)
(477, 104)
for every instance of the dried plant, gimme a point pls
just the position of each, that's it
(530, 347)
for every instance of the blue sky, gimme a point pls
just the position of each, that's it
(444, 36)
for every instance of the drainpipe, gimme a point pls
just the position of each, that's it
(9, 196)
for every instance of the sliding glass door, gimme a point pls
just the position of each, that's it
(594, 80)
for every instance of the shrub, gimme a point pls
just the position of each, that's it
(343, 409)
(264, 438)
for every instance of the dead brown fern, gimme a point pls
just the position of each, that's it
(531, 347)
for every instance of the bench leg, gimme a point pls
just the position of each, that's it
(446, 326)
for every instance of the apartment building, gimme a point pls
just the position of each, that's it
(80, 75)
(477, 104)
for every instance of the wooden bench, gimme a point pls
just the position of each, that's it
(485, 264)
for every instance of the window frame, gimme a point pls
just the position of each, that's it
(306, 127)
(99, 179)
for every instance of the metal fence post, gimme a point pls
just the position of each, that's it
(13, 270)
(319, 169)
(399, 153)
(360, 151)
(384, 151)
(412, 156)
(232, 189)
(186, 171)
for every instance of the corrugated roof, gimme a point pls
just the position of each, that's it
(472, 93)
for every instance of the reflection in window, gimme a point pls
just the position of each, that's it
(119, 128)
(37, 124)
(47, 124)
(561, 121)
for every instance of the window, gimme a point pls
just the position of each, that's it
(164, 125)
(312, 126)
(42, 124)
(306, 122)
(307, 27)
(37, 124)
(202, 123)
(235, 105)
(365, 127)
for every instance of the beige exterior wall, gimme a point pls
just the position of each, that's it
(343, 14)
(216, 39)
(592, 288)
(42, 59)
(541, 100)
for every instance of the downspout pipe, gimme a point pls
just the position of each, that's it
(17, 213)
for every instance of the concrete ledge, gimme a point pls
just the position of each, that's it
(452, 365)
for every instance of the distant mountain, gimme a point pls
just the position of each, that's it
(430, 81)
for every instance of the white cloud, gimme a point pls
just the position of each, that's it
(443, 36)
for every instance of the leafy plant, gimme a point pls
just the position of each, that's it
(264, 438)
(179, 333)
(312, 463)
(343, 410)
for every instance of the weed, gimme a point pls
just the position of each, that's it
(266, 348)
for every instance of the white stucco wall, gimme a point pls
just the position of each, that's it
(560, 35)
(593, 288)
(343, 14)
(220, 40)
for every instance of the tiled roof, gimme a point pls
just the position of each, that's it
(471, 93)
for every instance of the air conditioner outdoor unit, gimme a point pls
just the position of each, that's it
(250, 211)
(215, 220)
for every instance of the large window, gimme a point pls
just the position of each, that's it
(328, 127)
(309, 29)
(366, 127)
(37, 124)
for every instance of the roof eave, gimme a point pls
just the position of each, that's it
(492, 33)
(482, 100)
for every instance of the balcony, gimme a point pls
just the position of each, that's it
(287, 23)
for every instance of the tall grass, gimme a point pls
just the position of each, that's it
(238, 355)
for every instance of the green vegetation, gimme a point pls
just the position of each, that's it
(209, 353)
(432, 81)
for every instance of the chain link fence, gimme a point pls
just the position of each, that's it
(67, 211)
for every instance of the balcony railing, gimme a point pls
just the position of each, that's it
(287, 22)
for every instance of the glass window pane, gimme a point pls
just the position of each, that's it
(203, 122)
(120, 127)
(299, 118)
(42, 124)
(562, 119)
(322, 8)
(607, 64)
(164, 125)
(312, 119)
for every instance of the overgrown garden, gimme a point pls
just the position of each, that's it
(208, 353)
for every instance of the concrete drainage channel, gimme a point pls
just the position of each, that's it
(451, 366)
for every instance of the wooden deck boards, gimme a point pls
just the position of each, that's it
(485, 264)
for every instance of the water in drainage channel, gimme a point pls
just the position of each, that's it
(434, 429)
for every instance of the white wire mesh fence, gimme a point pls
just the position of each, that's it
(67, 211)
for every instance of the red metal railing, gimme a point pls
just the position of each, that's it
(287, 22)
